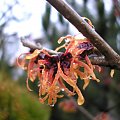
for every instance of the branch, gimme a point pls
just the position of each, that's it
(101, 61)
(81, 108)
(32, 45)
(86, 113)
(62, 7)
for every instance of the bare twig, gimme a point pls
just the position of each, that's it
(81, 108)
(86, 113)
(101, 61)
(62, 7)
(32, 45)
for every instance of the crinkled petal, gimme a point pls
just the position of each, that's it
(22, 62)
(72, 84)
(34, 54)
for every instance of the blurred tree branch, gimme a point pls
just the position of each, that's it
(6, 18)
(7, 15)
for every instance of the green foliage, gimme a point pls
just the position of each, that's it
(16, 103)
(61, 18)
(52, 30)
(100, 8)
(46, 17)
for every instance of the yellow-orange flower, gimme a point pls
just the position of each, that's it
(55, 71)
(80, 47)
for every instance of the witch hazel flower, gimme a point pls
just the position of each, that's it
(55, 71)
(50, 72)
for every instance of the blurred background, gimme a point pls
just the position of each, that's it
(37, 20)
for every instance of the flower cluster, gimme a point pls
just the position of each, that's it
(55, 71)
